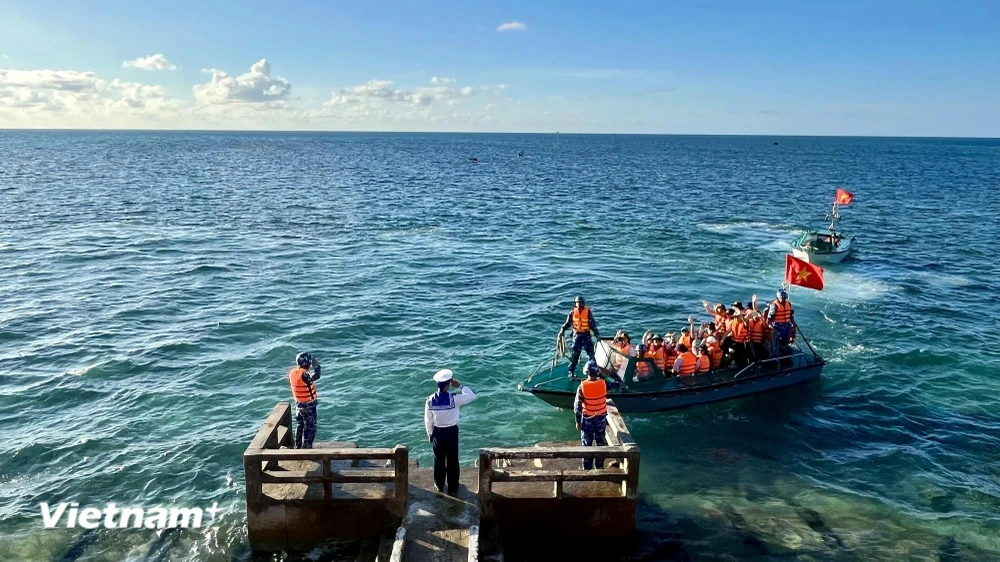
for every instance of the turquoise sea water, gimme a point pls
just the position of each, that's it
(155, 287)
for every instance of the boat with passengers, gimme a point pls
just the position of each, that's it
(793, 364)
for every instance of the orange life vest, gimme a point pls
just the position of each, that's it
(685, 339)
(595, 397)
(581, 320)
(301, 390)
(782, 312)
(659, 357)
(689, 364)
(740, 332)
(643, 368)
(714, 356)
(704, 364)
(756, 330)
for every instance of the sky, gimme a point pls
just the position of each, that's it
(881, 68)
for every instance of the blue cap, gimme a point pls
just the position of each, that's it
(592, 368)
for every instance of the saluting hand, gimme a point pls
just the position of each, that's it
(455, 383)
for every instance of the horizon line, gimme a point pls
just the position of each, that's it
(348, 131)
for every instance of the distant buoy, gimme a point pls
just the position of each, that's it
(775, 144)
(474, 160)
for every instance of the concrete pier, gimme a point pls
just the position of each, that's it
(298, 500)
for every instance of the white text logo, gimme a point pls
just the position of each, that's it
(111, 517)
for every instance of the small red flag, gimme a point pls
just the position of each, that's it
(803, 273)
(844, 197)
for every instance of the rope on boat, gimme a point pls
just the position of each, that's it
(560, 349)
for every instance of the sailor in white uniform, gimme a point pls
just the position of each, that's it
(441, 423)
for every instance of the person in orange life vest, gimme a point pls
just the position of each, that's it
(780, 317)
(590, 407)
(658, 352)
(740, 332)
(727, 330)
(704, 363)
(714, 353)
(304, 392)
(718, 312)
(623, 344)
(441, 423)
(671, 346)
(758, 346)
(643, 364)
(583, 324)
(686, 363)
(687, 334)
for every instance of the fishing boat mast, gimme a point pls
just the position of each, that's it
(833, 217)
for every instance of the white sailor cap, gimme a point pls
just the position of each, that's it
(444, 375)
(710, 339)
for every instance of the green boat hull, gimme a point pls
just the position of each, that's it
(659, 392)
(687, 392)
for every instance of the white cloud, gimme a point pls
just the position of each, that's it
(378, 91)
(254, 100)
(73, 98)
(254, 87)
(381, 104)
(152, 62)
(511, 26)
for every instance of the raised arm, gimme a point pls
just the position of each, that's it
(465, 396)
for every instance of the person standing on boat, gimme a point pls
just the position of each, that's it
(306, 399)
(591, 409)
(780, 317)
(441, 423)
(583, 324)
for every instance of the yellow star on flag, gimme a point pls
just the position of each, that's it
(803, 274)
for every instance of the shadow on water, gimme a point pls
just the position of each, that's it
(79, 546)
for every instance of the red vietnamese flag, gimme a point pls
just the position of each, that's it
(803, 273)
(844, 197)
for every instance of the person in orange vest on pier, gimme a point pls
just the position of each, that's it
(303, 385)
(583, 324)
(591, 409)
(686, 363)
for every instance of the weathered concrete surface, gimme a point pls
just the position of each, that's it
(295, 516)
(437, 525)
(591, 510)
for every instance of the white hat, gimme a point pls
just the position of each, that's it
(444, 375)
(710, 339)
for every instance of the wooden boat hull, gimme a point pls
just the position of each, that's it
(657, 401)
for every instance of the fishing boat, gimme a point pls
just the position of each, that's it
(829, 246)
(794, 365)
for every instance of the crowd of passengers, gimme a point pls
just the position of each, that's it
(737, 335)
